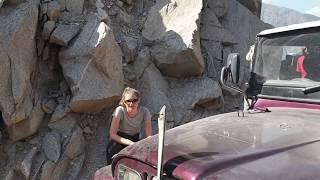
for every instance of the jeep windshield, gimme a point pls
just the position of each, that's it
(287, 65)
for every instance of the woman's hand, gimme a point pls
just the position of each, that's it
(130, 142)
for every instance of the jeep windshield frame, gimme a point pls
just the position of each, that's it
(285, 64)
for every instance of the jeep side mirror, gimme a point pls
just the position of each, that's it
(230, 74)
(233, 63)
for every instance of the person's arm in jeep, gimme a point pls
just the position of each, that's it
(113, 133)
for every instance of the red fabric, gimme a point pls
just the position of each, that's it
(300, 68)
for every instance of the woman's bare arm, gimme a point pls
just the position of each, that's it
(113, 132)
(148, 125)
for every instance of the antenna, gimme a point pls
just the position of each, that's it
(161, 134)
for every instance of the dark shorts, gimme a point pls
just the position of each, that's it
(114, 147)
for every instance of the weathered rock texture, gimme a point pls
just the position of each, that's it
(253, 5)
(174, 28)
(92, 67)
(63, 69)
(281, 16)
(18, 63)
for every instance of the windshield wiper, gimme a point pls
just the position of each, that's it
(312, 89)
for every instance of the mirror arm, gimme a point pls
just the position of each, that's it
(225, 86)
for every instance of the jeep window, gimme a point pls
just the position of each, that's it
(282, 58)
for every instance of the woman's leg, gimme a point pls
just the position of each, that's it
(112, 149)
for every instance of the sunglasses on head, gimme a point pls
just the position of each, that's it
(131, 101)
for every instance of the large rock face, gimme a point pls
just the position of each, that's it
(92, 67)
(18, 62)
(280, 16)
(228, 27)
(173, 26)
(194, 98)
(253, 5)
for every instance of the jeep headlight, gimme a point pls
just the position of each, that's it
(125, 173)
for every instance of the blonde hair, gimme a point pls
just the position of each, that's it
(128, 90)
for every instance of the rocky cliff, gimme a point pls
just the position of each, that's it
(280, 16)
(64, 64)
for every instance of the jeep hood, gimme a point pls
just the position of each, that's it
(281, 144)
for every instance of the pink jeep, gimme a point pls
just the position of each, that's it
(277, 138)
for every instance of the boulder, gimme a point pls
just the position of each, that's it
(217, 34)
(46, 170)
(49, 105)
(173, 29)
(75, 6)
(103, 15)
(1, 2)
(76, 144)
(70, 18)
(48, 28)
(142, 62)
(64, 125)
(14, 2)
(213, 51)
(59, 112)
(125, 18)
(99, 4)
(51, 146)
(92, 66)
(154, 89)
(24, 167)
(28, 126)
(18, 58)
(60, 169)
(253, 5)
(37, 164)
(219, 7)
(62, 4)
(54, 10)
(129, 48)
(184, 100)
(64, 33)
(74, 168)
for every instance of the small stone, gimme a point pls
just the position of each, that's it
(87, 130)
(44, 8)
(47, 29)
(24, 167)
(49, 106)
(103, 15)
(45, 53)
(64, 33)
(65, 125)
(99, 4)
(76, 144)
(64, 86)
(46, 170)
(112, 12)
(59, 113)
(35, 140)
(54, 10)
(119, 3)
(129, 2)
(52, 146)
